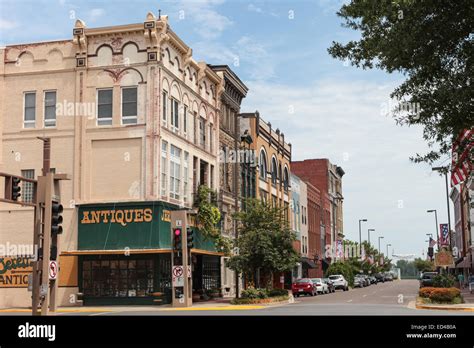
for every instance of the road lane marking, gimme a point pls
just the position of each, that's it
(364, 295)
(349, 301)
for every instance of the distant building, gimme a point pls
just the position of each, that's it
(327, 178)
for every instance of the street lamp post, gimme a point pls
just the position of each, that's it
(381, 237)
(436, 222)
(368, 234)
(387, 249)
(445, 171)
(360, 235)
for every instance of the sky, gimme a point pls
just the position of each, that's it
(325, 107)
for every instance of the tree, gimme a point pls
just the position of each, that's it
(423, 265)
(343, 268)
(431, 43)
(265, 242)
(208, 217)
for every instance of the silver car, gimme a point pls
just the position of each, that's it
(339, 282)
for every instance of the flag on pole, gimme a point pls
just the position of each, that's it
(461, 165)
(444, 234)
(432, 242)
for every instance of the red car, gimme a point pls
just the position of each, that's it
(302, 287)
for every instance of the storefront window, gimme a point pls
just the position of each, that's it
(118, 278)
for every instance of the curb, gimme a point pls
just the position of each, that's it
(461, 309)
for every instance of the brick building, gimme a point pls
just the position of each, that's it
(327, 178)
(134, 120)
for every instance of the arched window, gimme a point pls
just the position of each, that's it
(263, 165)
(285, 179)
(280, 174)
(274, 171)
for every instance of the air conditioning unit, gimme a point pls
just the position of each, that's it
(149, 25)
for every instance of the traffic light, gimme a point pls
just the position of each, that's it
(430, 252)
(177, 239)
(56, 218)
(190, 238)
(16, 188)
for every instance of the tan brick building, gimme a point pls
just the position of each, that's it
(134, 119)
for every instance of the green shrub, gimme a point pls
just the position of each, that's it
(252, 293)
(277, 292)
(242, 301)
(443, 281)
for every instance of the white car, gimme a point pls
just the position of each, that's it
(339, 282)
(321, 286)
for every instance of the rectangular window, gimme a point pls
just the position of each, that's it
(129, 105)
(29, 117)
(104, 107)
(186, 177)
(175, 171)
(202, 132)
(175, 115)
(27, 187)
(165, 108)
(211, 139)
(185, 120)
(50, 109)
(164, 160)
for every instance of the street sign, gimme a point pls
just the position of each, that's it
(178, 276)
(53, 270)
(179, 223)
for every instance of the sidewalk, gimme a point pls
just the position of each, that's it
(215, 305)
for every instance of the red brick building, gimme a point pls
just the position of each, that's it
(326, 178)
(314, 230)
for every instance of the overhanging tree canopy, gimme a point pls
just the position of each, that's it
(431, 43)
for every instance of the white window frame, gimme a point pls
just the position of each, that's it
(174, 114)
(44, 109)
(25, 122)
(186, 177)
(97, 108)
(175, 178)
(122, 118)
(185, 120)
(164, 108)
(164, 166)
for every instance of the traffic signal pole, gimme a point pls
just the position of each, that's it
(180, 261)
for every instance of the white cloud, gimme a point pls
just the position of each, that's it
(209, 24)
(7, 25)
(253, 8)
(96, 13)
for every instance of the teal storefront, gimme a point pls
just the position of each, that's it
(124, 254)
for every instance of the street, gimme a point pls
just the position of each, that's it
(389, 298)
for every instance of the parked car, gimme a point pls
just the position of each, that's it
(380, 278)
(388, 276)
(303, 286)
(366, 279)
(427, 279)
(339, 282)
(321, 286)
(330, 284)
(358, 282)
